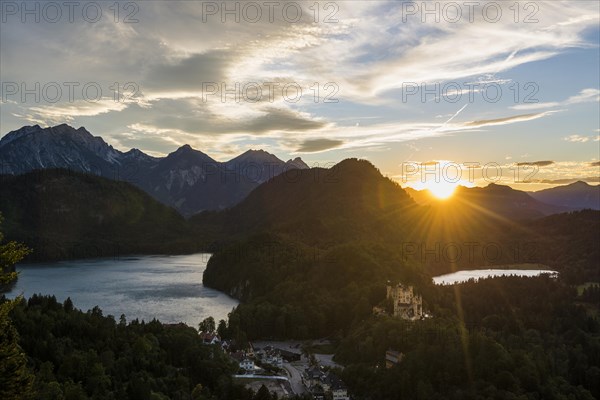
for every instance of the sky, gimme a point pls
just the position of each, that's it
(474, 92)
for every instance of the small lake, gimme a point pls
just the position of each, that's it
(168, 288)
(476, 274)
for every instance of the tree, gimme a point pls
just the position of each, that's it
(263, 394)
(197, 393)
(68, 304)
(15, 379)
(222, 329)
(10, 254)
(207, 325)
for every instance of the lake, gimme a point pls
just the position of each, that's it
(464, 276)
(168, 288)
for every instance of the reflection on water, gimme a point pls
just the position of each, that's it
(168, 288)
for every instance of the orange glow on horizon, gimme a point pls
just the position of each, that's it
(440, 190)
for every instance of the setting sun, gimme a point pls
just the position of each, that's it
(441, 190)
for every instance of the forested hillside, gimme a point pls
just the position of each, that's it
(64, 214)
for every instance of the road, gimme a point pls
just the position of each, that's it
(295, 378)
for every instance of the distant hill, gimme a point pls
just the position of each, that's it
(506, 201)
(64, 214)
(421, 197)
(186, 179)
(316, 205)
(566, 242)
(500, 200)
(578, 195)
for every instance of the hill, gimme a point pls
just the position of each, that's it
(500, 200)
(301, 250)
(348, 201)
(578, 195)
(566, 242)
(293, 227)
(64, 214)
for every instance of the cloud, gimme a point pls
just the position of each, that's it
(369, 53)
(384, 133)
(317, 145)
(507, 120)
(581, 139)
(536, 163)
(444, 51)
(194, 117)
(185, 77)
(49, 115)
(279, 119)
(584, 96)
(554, 173)
(563, 181)
(562, 172)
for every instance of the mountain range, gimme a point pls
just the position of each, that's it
(350, 220)
(186, 179)
(63, 214)
(516, 204)
(191, 181)
(576, 195)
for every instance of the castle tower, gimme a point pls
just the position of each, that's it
(407, 305)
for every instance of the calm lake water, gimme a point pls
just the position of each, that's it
(168, 288)
(464, 276)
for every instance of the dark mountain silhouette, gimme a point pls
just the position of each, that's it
(577, 195)
(186, 179)
(63, 214)
(506, 201)
(345, 201)
(260, 166)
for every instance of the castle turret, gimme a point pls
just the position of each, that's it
(407, 305)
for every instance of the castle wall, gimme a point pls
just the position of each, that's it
(407, 305)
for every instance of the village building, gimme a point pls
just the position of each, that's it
(270, 355)
(247, 365)
(323, 385)
(393, 358)
(332, 383)
(210, 338)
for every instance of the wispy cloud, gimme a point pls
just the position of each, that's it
(585, 96)
(581, 139)
(68, 112)
(524, 176)
(508, 120)
(380, 134)
(535, 163)
(317, 145)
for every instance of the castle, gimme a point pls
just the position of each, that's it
(407, 305)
